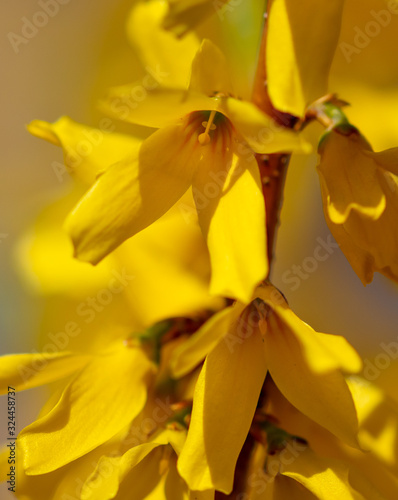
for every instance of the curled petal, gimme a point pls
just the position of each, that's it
(349, 178)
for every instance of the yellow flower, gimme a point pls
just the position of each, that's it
(301, 41)
(93, 429)
(359, 192)
(244, 343)
(167, 264)
(108, 390)
(199, 143)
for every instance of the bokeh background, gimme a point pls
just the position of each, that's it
(66, 67)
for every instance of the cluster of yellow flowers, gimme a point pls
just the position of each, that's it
(187, 375)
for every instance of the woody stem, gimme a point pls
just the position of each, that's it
(272, 167)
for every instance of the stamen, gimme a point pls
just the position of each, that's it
(204, 138)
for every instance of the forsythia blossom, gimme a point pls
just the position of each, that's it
(186, 375)
(201, 143)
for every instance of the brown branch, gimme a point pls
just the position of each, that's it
(272, 167)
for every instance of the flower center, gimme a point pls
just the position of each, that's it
(204, 138)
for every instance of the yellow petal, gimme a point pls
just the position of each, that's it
(23, 371)
(260, 131)
(87, 151)
(190, 353)
(378, 421)
(361, 262)
(145, 480)
(67, 487)
(323, 352)
(375, 238)
(225, 400)
(157, 48)
(363, 485)
(225, 183)
(210, 71)
(175, 487)
(360, 199)
(119, 468)
(326, 478)
(301, 41)
(344, 355)
(92, 409)
(29, 487)
(387, 159)
(131, 195)
(308, 376)
(349, 178)
(156, 108)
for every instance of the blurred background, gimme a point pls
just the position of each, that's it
(66, 66)
(63, 69)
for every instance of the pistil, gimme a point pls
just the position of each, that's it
(204, 138)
